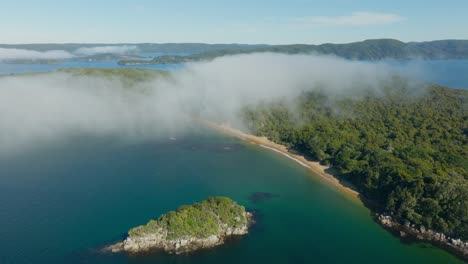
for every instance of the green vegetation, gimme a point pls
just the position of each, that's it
(374, 49)
(127, 77)
(90, 58)
(197, 220)
(404, 149)
(132, 75)
(176, 59)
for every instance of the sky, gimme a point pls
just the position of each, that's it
(240, 21)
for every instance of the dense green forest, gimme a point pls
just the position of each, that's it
(199, 220)
(404, 149)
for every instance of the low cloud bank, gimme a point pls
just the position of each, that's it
(19, 54)
(49, 107)
(26, 54)
(106, 49)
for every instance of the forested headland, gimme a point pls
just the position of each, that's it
(404, 149)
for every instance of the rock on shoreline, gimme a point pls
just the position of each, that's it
(179, 245)
(456, 246)
(202, 225)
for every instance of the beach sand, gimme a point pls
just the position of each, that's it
(315, 167)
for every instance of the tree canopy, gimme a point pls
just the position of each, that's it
(198, 220)
(404, 149)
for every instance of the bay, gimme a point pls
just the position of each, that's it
(61, 203)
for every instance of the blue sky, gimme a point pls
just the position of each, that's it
(240, 21)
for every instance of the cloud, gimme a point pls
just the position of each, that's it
(25, 54)
(106, 49)
(12, 54)
(355, 19)
(51, 107)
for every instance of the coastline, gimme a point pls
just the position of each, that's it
(412, 233)
(315, 167)
(455, 246)
(158, 241)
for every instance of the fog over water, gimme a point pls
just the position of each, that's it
(41, 108)
(28, 54)
(70, 186)
(13, 54)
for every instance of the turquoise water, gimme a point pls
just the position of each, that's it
(59, 204)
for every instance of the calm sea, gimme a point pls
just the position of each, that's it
(60, 204)
(450, 73)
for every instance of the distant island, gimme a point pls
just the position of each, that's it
(373, 49)
(191, 227)
(90, 58)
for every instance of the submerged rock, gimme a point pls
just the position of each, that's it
(257, 197)
(201, 225)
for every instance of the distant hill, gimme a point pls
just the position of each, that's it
(374, 49)
(104, 52)
(377, 49)
(142, 47)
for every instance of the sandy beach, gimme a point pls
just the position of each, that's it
(316, 168)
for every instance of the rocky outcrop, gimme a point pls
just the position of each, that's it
(201, 225)
(159, 241)
(420, 233)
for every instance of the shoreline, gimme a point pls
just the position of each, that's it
(412, 233)
(318, 170)
(454, 246)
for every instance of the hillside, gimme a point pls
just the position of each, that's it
(142, 47)
(376, 49)
(373, 49)
(405, 151)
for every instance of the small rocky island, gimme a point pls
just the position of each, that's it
(201, 225)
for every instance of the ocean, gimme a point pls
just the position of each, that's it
(62, 203)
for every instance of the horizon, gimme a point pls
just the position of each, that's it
(222, 43)
(334, 130)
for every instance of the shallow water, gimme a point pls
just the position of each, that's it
(61, 203)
